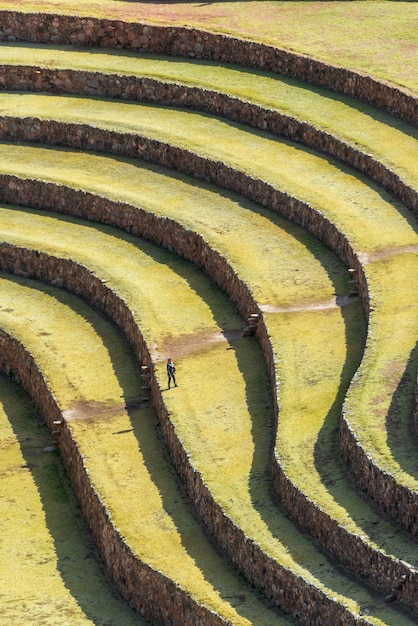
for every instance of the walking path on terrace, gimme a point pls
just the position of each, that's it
(198, 371)
(115, 430)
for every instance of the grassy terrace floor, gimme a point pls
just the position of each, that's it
(274, 250)
(375, 225)
(384, 32)
(120, 446)
(316, 331)
(387, 139)
(43, 538)
(201, 370)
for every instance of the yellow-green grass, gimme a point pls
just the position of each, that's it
(388, 140)
(370, 219)
(273, 246)
(376, 37)
(48, 568)
(211, 431)
(92, 375)
(222, 399)
(280, 263)
(389, 366)
(359, 208)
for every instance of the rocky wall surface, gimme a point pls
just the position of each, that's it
(31, 78)
(191, 42)
(349, 549)
(416, 409)
(147, 590)
(396, 500)
(392, 576)
(283, 587)
(376, 482)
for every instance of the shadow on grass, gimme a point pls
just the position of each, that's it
(77, 560)
(259, 483)
(175, 502)
(259, 401)
(332, 469)
(400, 426)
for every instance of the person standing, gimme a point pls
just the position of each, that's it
(171, 372)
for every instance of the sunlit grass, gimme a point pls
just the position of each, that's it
(348, 200)
(390, 141)
(43, 538)
(237, 412)
(93, 377)
(384, 32)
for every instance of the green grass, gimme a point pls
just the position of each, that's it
(375, 37)
(242, 415)
(120, 447)
(372, 221)
(284, 268)
(239, 407)
(322, 182)
(43, 537)
(391, 142)
(357, 221)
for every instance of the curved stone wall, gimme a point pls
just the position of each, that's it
(393, 576)
(282, 587)
(191, 42)
(279, 585)
(377, 483)
(147, 590)
(69, 81)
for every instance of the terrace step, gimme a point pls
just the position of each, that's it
(344, 212)
(43, 536)
(182, 41)
(286, 300)
(319, 178)
(274, 295)
(199, 371)
(115, 435)
(357, 134)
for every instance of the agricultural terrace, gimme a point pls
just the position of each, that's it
(232, 185)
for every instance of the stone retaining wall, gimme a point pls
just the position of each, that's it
(69, 81)
(191, 42)
(283, 587)
(150, 592)
(349, 549)
(205, 45)
(88, 138)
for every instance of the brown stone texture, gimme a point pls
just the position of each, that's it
(349, 549)
(156, 597)
(194, 43)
